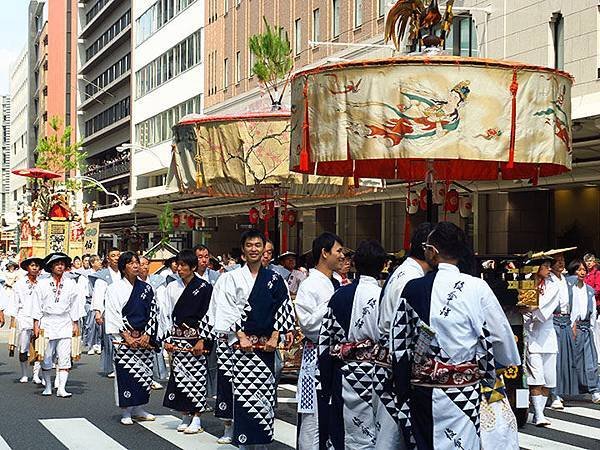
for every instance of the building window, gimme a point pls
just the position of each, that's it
(108, 76)
(225, 73)
(298, 36)
(335, 20)
(462, 39)
(118, 111)
(238, 67)
(108, 36)
(316, 16)
(557, 24)
(358, 16)
(157, 16)
(226, 5)
(381, 7)
(157, 129)
(183, 56)
(251, 62)
(94, 10)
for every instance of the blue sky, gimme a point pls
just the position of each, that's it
(13, 35)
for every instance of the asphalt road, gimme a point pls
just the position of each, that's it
(24, 411)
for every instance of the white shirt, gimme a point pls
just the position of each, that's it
(408, 270)
(58, 307)
(294, 280)
(26, 301)
(229, 298)
(365, 309)
(311, 303)
(563, 293)
(541, 337)
(460, 307)
(99, 294)
(117, 296)
(170, 297)
(579, 310)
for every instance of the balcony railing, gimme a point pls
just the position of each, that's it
(109, 170)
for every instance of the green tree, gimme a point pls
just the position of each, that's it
(165, 223)
(273, 61)
(58, 152)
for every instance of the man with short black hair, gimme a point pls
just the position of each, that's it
(252, 309)
(448, 337)
(100, 282)
(311, 306)
(190, 335)
(204, 271)
(26, 300)
(390, 415)
(349, 352)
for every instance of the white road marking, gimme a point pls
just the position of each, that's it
(285, 433)
(287, 400)
(574, 428)
(583, 412)
(80, 434)
(289, 387)
(528, 442)
(166, 428)
(3, 444)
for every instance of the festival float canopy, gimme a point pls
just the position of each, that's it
(242, 156)
(35, 172)
(414, 117)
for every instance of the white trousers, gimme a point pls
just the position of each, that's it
(541, 369)
(24, 340)
(59, 349)
(308, 436)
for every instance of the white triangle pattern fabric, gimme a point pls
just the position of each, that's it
(138, 362)
(190, 376)
(254, 388)
(467, 398)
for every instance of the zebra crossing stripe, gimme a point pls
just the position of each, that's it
(289, 387)
(285, 433)
(574, 428)
(166, 428)
(583, 412)
(3, 444)
(529, 442)
(80, 434)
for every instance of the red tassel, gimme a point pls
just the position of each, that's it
(514, 87)
(304, 160)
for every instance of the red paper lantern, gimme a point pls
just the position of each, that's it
(451, 204)
(423, 199)
(253, 216)
(176, 220)
(292, 217)
(191, 221)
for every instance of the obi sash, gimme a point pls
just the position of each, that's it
(434, 373)
(362, 351)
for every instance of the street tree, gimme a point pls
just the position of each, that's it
(273, 61)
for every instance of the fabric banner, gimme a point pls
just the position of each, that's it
(91, 231)
(398, 118)
(57, 237)
(227, 156)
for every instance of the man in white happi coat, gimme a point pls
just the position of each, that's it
(58, 316)
(390, 415)
(101, 280)
(448, 337)
(311, 305)
(203, 271)
(26, 302)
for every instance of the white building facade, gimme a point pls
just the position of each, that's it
(19, 143)
(167, 84)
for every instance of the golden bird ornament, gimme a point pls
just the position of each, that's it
(416, 18)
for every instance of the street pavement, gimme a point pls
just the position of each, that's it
(90, 420)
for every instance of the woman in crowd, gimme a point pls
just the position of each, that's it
(583, 319)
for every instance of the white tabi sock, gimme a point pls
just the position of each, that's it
(539, 403)
(36, 372)
(24, 370)
(63, 376)
(126, 412)
(228, 431)
(196, 422)
(48, 380)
